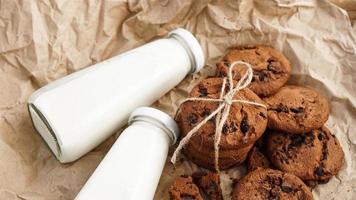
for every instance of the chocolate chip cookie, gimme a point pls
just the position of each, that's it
(313, 156)
(245, 124)
(271, 69)
(266, 184)
(183, 188)
(296, 109)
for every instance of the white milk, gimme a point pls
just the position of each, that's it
(76, 113)
(132, 168)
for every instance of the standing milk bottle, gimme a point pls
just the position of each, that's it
(133, 166)
(76, 113)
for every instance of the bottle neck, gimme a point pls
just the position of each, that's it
(181, 41)
(192, 47)
(156, 123)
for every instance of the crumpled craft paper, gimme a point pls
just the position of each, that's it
(43, 40)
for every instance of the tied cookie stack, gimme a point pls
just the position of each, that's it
(279, 129)
(221, 121)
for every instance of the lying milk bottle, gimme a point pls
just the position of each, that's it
(76, 113)
(132, 168)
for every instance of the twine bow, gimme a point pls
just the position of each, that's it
(222, 112)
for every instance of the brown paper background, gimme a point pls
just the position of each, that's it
(43, 40)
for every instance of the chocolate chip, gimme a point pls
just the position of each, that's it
(203, 92)
(297, 110)
(262, 115)
(274, 192)
(269, 179)
(321, 136)
(286, 189)
(225, 129)
(281, 108)
(244, 125)
(271, 59)
(273, 65)
(260, 75)
(274, 180)
(319, 171)
(229, 128)
(296, 140)
(308, 138)
(206, 112)
(192, 119)
(324, 155)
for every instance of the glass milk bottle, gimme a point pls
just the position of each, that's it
(76, 113)
(132, 168)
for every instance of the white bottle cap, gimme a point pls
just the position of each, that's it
(192, 45)
(158, 118)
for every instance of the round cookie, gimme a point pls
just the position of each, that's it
(183, 188)
(263, 184)
(245, 124)
(271, 68)
(296, 110)
(313, 156)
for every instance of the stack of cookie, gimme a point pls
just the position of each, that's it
(295, 147)
(244, 125)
